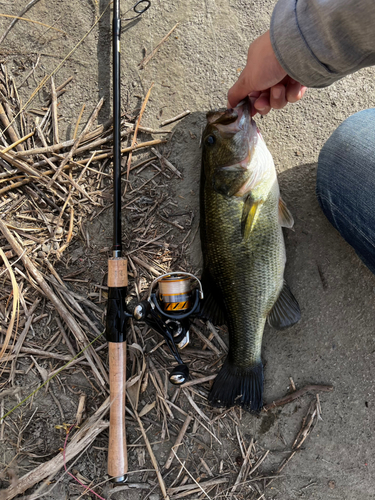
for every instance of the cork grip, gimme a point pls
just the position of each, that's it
(117, 272)
(117, 452)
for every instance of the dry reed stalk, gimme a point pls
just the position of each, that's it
(55, 126)
(8, 127)
(80, 336)
(166, 163)
(78, 122)
(20, 141)
(81, 440)
(84, 132)
(15, 306)
(134, 140)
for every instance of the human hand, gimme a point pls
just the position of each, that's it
(264, 80)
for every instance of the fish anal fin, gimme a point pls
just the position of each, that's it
(213, 307)
(249, 215)
(286, 311)
(285, 217)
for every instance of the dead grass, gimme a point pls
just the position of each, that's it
(50, 193)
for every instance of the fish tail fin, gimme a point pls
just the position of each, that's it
(238, 386)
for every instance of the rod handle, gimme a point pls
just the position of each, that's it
(117, 450)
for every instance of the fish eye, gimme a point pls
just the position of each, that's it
(210, 140)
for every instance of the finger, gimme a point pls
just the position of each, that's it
(239, 90)
(253, 96)
(262, 104)
(294, 91)
(277, 96)
(302, 92)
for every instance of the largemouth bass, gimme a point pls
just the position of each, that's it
(242, 216)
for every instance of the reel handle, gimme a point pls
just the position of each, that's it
(179, 374)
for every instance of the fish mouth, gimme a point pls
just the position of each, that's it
(231, 120)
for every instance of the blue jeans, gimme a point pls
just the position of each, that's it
(346, 183)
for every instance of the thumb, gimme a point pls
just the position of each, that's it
(239, 90)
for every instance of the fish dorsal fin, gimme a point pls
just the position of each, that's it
(285, 217)
(249, 215)
(286, 311)
(213, 307)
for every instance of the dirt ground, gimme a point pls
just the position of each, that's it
(334, 342)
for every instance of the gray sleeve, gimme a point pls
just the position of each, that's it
(319, 41)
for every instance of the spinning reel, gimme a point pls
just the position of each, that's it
(167, 310)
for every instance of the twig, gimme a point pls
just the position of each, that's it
(80, 409)
(65, 336)
(297, 394)
(217, 336)
(80, 441)
(244, 466)
(78, 121)
(205, 340)
(190, 487)
(178, 117)
(149, 268)
(166, 163)
(15, 144)
(259, 462)
(147, 59)
(15, 306)
(8, 127)
(178, 441)
(195, 406)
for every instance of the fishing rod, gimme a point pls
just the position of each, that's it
(117, 316)
(173, 300)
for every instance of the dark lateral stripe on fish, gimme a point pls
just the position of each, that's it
(235, 386)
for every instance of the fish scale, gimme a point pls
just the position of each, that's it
(243, 249)
(249, 293)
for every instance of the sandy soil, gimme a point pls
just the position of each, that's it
(193, 70)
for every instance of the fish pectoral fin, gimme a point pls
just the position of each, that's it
(286, 311)
(212, 307)
(285, 217)
(249, 214)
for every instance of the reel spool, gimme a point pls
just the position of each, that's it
(175, 293)
(167, 310)
(176, 298)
